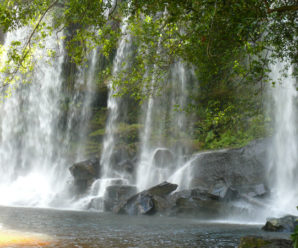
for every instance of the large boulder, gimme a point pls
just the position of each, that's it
(260, 242)
(163, 158)
(84, 173)
(233, 167)
(286, 223)
(148, 201)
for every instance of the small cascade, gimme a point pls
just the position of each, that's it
(165, 125)
(283, 158)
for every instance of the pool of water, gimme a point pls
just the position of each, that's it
(60, 228)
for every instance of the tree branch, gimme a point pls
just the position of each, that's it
(280, 9)
(283, 9)
(27, 45)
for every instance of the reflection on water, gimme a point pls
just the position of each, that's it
(11, 238)
(101, 230)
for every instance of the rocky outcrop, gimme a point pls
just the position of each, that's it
(286, 223)
(84, 173)
(148, 201)
(260, 242)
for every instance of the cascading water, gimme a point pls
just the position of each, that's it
(165, 126)
(80, 107)
(109, 176)
(33, 148)
(283, 156)
(29, 159)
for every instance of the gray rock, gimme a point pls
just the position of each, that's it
(233, 167)
(85, 170)
(116, 193)
(148, 201)
(286, 223)
(84, 174)
(197, 202)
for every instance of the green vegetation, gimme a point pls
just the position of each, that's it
(229, 43)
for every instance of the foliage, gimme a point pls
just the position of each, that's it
(229, 44)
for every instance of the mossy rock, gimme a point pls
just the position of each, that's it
(259, 242)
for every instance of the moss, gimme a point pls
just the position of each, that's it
(253, 242)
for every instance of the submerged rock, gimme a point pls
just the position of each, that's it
(286, 223)
(148, 201)
(260, 242)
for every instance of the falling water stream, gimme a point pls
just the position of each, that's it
(33, 148)
(284, 150)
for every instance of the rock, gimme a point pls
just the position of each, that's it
(163, 158)
(148, 201)
(260, 242)
(234, 167)
(256, 190)
(221, 191)
(162, 189)
(116, 193)
(286, 223)
(197, 202)
(84, 174)
(85, 170)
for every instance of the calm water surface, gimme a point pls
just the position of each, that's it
(91, 229)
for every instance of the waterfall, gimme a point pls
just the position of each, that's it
(34, 148)
(109, 175)
(165, 125)
(283, 158)
(30, 173)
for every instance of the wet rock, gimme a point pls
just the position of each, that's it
(162, 189)
(286, 223)
(85, 170)
(257, 190)
(148, 201)
(234, 167)
(260, 242)
(221, 191)
(84, 174)
(116, 193)
(163, 158)
(197, 202)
